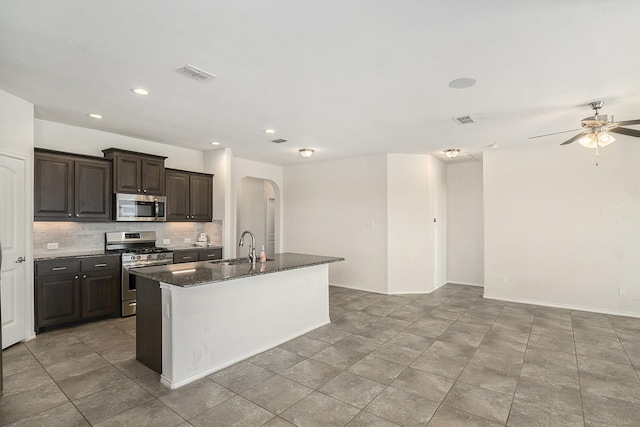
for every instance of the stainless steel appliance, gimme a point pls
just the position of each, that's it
(138, 249)
(138, 207)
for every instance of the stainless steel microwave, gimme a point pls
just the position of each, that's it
(137, 207)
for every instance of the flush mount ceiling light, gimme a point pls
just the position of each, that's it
(94, 116)
(215, 143)
(306, 152)
(462, 83)
(269, 131)
(140, 91)
(452, 153)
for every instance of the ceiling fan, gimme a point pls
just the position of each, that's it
(597, 128)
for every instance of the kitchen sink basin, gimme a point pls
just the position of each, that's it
(236, 261)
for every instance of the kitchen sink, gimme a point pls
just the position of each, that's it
(236, 261)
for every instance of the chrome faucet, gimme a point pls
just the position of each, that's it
(252, 249)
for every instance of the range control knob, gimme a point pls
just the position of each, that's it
(149, 256)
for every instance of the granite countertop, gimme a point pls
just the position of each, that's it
(43, 256)
(199, 273)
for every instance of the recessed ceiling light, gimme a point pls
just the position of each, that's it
(215, 143)
(94, 116)
(269, 131)
(140, 91)
(462, 83)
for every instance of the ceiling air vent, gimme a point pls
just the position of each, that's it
(196, 73)
(279, 140)
(464, 120)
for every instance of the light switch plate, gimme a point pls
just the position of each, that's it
(166, 241)
(187, 240)
(52, 246)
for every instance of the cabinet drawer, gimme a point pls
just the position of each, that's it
(185, 256)
(100, 263)
(210, 254)
(54, 267)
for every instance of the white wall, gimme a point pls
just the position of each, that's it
(16, 126)
(465, 224)
(72, 139)
(339, 208)
(409, 224)
(242, 168)
(562, 231)
(252, 212)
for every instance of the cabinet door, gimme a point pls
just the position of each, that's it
(201, 194)
(92, 190)
(177, 187)
(153, 177)
(185, 256)
(210, 254)
(127, 174)
(53, 187)
(100, 293)
(57, 300)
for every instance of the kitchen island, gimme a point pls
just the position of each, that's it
(194, 319)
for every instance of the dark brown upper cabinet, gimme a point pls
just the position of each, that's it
(189, 196)
(136, 173)
(71, 187)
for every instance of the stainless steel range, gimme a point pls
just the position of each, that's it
(138, 249)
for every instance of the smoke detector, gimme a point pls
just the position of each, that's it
(195, 73)
(464, 120)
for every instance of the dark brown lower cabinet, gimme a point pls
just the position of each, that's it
(70, 290)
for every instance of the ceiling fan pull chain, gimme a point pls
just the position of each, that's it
(597, 154)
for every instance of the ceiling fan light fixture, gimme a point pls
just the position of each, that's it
(589, 140)
(604, 138)
(452, 153)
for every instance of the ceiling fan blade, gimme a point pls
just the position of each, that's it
(555, 133)
(625, 131)
(575, 138)
(628, 122)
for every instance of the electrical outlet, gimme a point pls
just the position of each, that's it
(187, 240)
(52, 246)
(371, 224)
(622, 291)
(503, 280)
(166, 241)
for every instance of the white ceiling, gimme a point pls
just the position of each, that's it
(346, 77)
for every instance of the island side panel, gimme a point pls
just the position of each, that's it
(149, 323)
(216, 325)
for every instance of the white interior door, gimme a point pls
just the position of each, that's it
(13, 239)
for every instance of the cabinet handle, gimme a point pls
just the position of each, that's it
(76, 277)
(100, 265)
(186, 257)
(77, 214)
(132, 304)
(138, 190)
(211, 255)
(187, 216)
(58, 268)
(144, 191)
(84, 276)
(68, 215)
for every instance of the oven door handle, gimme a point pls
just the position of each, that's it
(157, 208)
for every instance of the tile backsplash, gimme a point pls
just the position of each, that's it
(89, 236)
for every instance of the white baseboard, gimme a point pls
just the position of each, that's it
(560, 305)
(457, 282)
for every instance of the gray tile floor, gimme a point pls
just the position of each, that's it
(449, 358)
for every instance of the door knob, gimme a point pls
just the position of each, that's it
(19, 260)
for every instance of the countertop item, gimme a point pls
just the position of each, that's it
(43, 256)
(199, 273)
